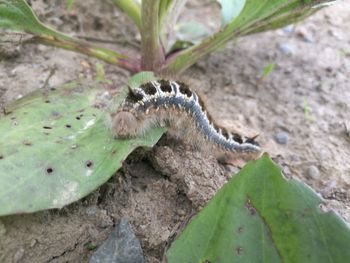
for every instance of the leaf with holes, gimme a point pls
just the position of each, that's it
(258, 216)
(55, 148)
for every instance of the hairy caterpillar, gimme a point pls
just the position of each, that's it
(173, 105)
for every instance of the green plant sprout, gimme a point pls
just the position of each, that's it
(307, 115)
(55, 147)
(267, 70)
(69, 4)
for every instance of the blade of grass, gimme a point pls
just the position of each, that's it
(132, 9)
(151, 49)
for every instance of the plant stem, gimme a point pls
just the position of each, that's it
(107, 55)
(182, 60)
(151, 49)
(132, 9)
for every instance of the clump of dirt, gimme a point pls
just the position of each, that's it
(306, 97)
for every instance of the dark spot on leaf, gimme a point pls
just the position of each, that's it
(68, 126)
(250, 207)
(52, 88)
(113, 152)
(47, 127)
(89, 164)
(56, 114)
(47, 101)
(27, 143)
(49, 170)
(1, 157)
(239, 251)
(240, 230)
(78, 117)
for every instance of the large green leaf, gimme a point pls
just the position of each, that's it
(259, 216)
(55, 148)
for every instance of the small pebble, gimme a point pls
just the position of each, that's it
(313, 172)
(91, 210)
(304, 35)
(18, 255)
(281, 137)
(33, 242)
(288, 29)
(286, 49)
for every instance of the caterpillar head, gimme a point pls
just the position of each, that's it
(124, 125)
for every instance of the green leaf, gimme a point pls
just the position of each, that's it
(267, 70)
(191, 31)
(55, 147)
(259, 216)
(230, 9)
(69, 4)
(17, 15)
(188, 34)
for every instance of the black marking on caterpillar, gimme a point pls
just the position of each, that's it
(173, 105)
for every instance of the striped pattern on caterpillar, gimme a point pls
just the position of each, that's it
(174, 105)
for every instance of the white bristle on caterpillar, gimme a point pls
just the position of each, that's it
(173, 105)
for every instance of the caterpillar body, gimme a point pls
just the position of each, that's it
(174, 105)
